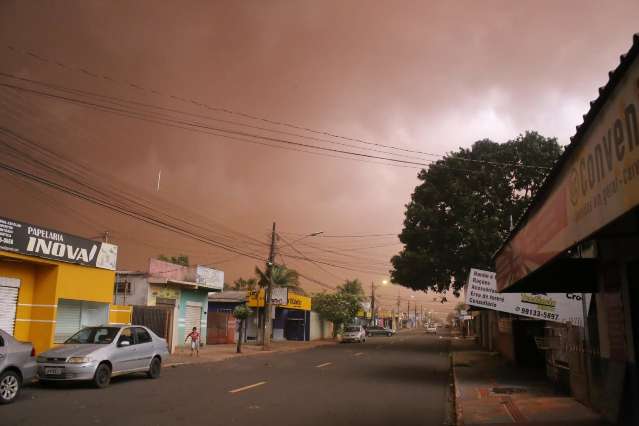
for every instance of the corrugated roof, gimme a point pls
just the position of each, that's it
(614, 77)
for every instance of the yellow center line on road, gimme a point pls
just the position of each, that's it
(254, 385)
(323, 365)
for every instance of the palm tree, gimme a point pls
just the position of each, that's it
(282, 276)
(244, 284)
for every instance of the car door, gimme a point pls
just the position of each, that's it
(144, 348)
(124, 354)
(3, 353)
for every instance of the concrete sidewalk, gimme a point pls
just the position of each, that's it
(491, 391)
(216, 353)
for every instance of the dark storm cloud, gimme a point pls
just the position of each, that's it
(427, 75)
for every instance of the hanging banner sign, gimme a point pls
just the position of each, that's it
(32, 240)
(481, 291)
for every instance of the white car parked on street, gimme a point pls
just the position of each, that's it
(354, 333)
(17, 366)
(98, 353)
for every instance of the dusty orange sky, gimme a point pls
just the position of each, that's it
(431, 76)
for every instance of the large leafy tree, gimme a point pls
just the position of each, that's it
(353, 288)
(463, 209)
(339, 308)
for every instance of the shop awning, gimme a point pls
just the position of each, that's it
(594, 182)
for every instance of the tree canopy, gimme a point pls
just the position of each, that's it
(339, 308)
(463, 209)
(243, 284)
(282, 276)
(354, 288)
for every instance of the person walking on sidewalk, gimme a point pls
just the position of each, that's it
(195, 341)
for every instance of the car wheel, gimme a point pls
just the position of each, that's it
(102, 376)
(389, 334)
(155, 368)
(10, 386)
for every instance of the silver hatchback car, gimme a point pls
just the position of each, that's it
(99, 353)
(17, 366)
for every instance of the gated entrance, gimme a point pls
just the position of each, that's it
(157, 318)
(220, 328)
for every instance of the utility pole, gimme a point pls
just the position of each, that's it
(266, 332)
(415, 313)
(398, 323)
(372, 303)
(407, 313)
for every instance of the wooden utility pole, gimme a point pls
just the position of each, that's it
(372, 303)
(408, 313)
(266, 332)
(398, 320)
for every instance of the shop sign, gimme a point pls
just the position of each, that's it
(481, 291)
(598, 183)
(279, 297)
(297, 301)
(32, 240)
(209, 278)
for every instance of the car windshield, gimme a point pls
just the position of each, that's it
(351, 329)
(94, 335)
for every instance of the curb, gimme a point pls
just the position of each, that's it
(458, 418)
(244, 355)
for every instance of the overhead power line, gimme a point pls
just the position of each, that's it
(129, 85)
(223, 132)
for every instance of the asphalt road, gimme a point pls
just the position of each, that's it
(400, 380)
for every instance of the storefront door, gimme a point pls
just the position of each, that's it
(192, 316)
(9, 288)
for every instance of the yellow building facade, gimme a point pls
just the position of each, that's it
(43, 300)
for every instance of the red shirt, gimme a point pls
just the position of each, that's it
(194, 335)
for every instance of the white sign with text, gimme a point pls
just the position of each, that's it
(481, 291)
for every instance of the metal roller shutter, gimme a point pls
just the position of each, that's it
(192, 316)
(8, 303)
(67, 319)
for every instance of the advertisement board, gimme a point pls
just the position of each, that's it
(481, 291)
(279, 296)
(598, 183)
(209, 277)
(32, 240)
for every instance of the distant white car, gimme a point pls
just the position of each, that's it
(431, 329)
(17, 366)
(354, 333)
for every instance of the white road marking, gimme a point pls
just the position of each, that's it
(254, 385)
(323, 365)
(359, 353)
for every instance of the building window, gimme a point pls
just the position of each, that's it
(123, 287)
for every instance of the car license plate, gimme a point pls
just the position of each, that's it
(49, 371)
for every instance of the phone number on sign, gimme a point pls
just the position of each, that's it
(539, 314)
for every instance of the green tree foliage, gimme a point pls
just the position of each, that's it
(241, 312)
(181, 259)
(282, 276)
(340, 308)
(243, 284)
(462, 211)
(354, 288)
